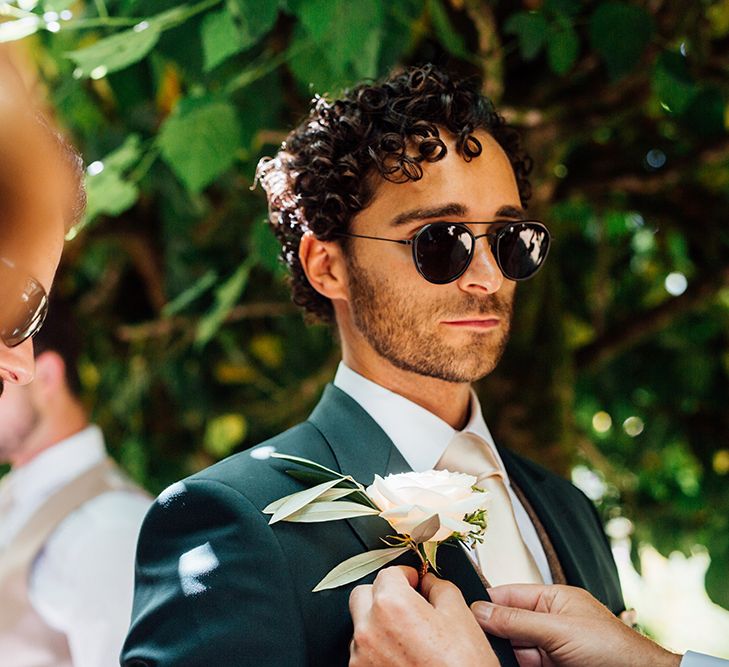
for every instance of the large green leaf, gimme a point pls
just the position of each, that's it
(347, 34)
(563, 46)
(672, 83)
(200, 140)
(531, 30)
(620, 33)
(444, 30)
(220, 38)
(116, 52)
(108, 191)
(253, 17)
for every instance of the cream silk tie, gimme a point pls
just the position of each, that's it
(503, 556)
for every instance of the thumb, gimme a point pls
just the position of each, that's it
(525, 628)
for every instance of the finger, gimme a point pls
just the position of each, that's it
(360, 603)
(526, 657)
(526, 627)
(523, 596)
(397, 576)
(443, 594)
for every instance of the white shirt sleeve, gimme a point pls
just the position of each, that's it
(82, 583)
(692, 659)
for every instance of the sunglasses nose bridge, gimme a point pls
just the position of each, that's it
(483, 271)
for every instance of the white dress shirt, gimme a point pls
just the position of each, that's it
(82, 582)
(422, 438)
(692, 659)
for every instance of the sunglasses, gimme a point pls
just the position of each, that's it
(442, 251)
(24, 305)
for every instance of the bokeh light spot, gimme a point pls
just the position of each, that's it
(676, 283)
(602, 422)
(633, 426)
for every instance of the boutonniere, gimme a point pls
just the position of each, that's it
(425, 509)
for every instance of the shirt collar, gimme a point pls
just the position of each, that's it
(419, 435)
(57, 465)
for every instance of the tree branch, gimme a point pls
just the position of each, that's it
(628, 334)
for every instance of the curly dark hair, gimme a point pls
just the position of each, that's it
(322, 176)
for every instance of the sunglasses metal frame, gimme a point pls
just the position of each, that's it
(494, 239)
(34, 319)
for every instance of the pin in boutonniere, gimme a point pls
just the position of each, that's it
(425, 509)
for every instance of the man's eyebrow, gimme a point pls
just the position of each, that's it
(511, 212)
(425, 213)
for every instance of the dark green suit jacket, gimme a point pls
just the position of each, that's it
(216, 585)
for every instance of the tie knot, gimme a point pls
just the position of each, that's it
(470, 454)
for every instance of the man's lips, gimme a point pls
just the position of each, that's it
(474, 322)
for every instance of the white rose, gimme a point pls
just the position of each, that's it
(410, 498)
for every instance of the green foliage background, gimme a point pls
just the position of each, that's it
(192, 348)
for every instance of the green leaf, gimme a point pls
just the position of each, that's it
(347, 34)
(11, 31)
(254, 18)
(200, 140)
(563, 47)
(107, 191)
(562, 7)
(531, 30)
(283, 507)
(226, 297)
(446, 33)
(319, 511)
(672, 83)
(620, 33)
(116, 52)
(186, 297)
(220, 38)
(307, 464)
(335, 494)
(358, 566)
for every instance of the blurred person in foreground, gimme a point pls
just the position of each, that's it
(549, 626)
(401, 212)
(69, 518)
(65, 555)
(41, 197)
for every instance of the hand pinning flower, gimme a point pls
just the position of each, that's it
(425, 509)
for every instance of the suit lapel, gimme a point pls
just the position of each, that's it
(362, 449)
(569, 530)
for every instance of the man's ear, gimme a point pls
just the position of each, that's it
(324, 266)
(50, 374)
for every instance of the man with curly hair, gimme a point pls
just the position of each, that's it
(400, 208)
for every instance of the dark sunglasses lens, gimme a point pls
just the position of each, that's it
(522, 249)
(26, 317)
(442, 252)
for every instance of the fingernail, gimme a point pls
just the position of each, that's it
(483, 610)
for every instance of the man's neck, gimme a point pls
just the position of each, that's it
(48, 435)
(448, 400)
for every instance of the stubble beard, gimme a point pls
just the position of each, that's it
(400, 329)
(12, 443)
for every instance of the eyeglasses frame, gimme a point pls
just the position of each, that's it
(39, 316)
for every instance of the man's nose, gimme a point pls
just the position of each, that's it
(483, 274)
(17, 364)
